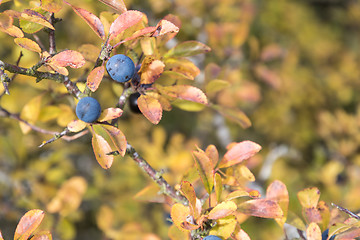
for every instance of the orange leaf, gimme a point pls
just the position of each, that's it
(263, 208)
(66, 58)
(28, 223)
(179, 214)
(35, 17)
(189, 226)
(110, 114)
(239, 152)
(205, 169)
(309, 197)
(94, 79)
(118, 5)
(213, 154)
(184, 92)
(150, 108)
(313, 232)
(124, 21)
(28, 44)
(52, 5)
(61, 70)
(117, 137)
(101, 149)
(189, 192)
(91, 19)
(150, 70)
(76, 125)
(1, 237)
(222, 210)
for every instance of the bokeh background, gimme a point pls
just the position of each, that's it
(292, 68)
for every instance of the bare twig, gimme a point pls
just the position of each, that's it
(165, 187)
(37, 39)
(346, 211)
(52, 43)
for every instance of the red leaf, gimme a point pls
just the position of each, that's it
(101, 149)
(94, 79)
(278, 192)
(239, 152)
(205, 169)
(28, 44)
(28, 223)
(263, 208)
(117, 137)
(66, 58)
(124, 21)
(118, 5)
(184, 92)
(91, 19)
(151, 108)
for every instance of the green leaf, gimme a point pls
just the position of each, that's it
(218, 186)
(215, 86)
(205, 169)
(234, 115)
(224, 227)
(187, 49)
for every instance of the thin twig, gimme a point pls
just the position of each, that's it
(346, 211)
(159, 180)
(37, 39)
(52, 43)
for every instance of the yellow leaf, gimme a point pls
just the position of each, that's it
(117, 138)
(101, 150)
(109, 114)
(222, 210)
(179, 214)
(76, 125)
(150, 70)
(28, 44)
(313, 232)
(309, 197)
(105, 218)
(224, 227)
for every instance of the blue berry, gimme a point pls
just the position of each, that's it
(325, 235)
(120, 68)
(211, 237)
(88, 109)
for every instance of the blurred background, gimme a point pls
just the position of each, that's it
(292, 68)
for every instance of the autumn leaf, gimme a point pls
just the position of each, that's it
(117, 138)
(124, 21)
(117, 5)
(28, 44)
(6, 21)
(150, 70)
(164, 27)
(263, 208)
(180, 215)
(187, 49)
(76, 125)
(184, 92)
(218, 186)
(233, 114)
(188, 191)
(278, 192)
(52, 5)
(242, 193)
(66, 58)
(309, 197)
(43, 235)
(241, 235)
(101, 149)
(238, 153)
(151, 108)
(110, 114)
(91, 19)
(205, 169)
(313, 232)
(183, 67)
(28, 223)
(222, 210)
(35, 17)
(13, 31)
(94, 79)
(224, 227)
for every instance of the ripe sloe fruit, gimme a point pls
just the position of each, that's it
(325, 235)
(120, 68)
(133, 104)
(88, 109)
(211, 237)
